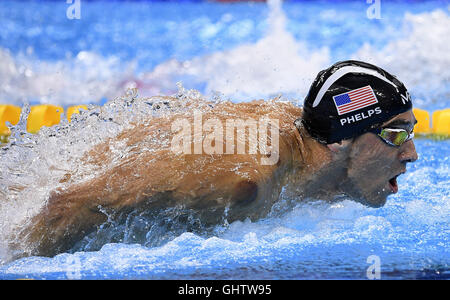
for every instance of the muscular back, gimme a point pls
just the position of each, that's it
(151, 176)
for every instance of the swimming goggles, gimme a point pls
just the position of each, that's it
(393, 136)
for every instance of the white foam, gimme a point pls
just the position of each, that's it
(84, 79)
(421, 58)
(275, 64)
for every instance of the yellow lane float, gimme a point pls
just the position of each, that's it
(74, 110)
(43, 115)
(441, 122)
(8, 113)
(423, 121)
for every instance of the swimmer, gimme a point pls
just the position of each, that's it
(352, 137)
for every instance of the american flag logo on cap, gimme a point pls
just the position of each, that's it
(354, 100)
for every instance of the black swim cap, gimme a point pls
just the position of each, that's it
(349, 98)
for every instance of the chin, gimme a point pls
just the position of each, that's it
(376, 201)
(372, 195)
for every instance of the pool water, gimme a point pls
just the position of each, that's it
(410, 235)
(238, 52)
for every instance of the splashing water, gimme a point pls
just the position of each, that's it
(404, 58)
(243, 56)
(34, 165)
(264, 69)
(312, 240)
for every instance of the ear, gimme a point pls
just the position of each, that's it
(340, 147)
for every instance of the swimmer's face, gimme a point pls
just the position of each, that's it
(374, 165)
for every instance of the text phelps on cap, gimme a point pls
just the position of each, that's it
(360, 116)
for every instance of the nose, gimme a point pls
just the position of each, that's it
(408, 153)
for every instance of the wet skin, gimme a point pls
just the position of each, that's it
(374, 165)
(214, 184)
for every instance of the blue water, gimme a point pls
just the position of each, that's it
(410, 234)
(152, 32)
(53, 59)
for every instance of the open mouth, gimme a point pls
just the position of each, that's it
(393, 183)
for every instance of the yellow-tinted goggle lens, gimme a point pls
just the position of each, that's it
(394, 136)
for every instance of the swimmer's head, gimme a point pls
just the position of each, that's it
(364, 116)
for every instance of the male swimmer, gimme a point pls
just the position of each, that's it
(353, 138)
